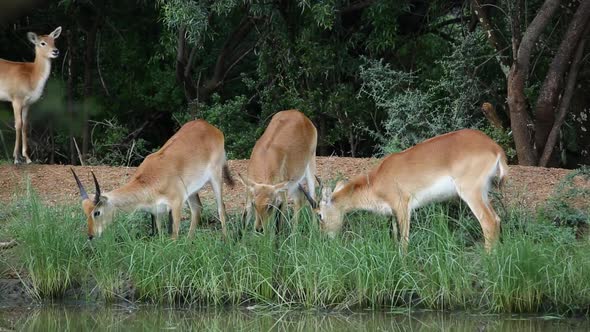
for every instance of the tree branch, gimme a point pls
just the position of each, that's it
(450, 21)
(532, 33)
(554, 80)
(491, 33)
(565, 100)
(357, 6)
(520, 121)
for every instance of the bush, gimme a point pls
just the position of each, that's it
(113, 145)
(568, 206)
(416, 112)
(231, 118)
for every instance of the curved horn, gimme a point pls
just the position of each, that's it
(97, 189)
(313, 203)
(80, 186)
(318, 180)
(320, 184)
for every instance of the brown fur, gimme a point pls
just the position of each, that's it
(466, 157)
(281, 158)
(192, 157)
(22, 83)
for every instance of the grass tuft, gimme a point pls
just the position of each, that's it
(537, 266)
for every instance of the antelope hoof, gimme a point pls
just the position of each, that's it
(29, 161)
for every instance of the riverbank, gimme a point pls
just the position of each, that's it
(539, 266)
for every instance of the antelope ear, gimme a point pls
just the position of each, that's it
(339, 185)
(33, 38)
(280, 187)
(246, 182)
(326, 195)
(55, 33)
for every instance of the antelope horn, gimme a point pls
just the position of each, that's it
(313, 203)
(97, 189)
(318, 180)
(80, 186)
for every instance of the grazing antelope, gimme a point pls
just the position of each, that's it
(459, 163)
(22, 83)
(165, 180)
(281, 159)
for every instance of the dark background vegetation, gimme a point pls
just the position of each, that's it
(375, 76)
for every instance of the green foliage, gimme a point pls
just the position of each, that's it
(52, 256)
(232, 119)
(191, 14)
(568, 205)
(384, 35)
(503, 138)
(536, 266)
(374, 75)
(113, 147)
(421, 107)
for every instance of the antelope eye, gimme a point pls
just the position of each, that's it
(96, 213)
(43, 43)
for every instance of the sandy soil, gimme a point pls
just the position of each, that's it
(526, 186)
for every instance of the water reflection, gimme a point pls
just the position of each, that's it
(83, 318)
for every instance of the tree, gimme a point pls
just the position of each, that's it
(532, 129)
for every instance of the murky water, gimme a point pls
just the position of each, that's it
(152, 318)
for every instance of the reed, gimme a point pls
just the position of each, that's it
(537, 267)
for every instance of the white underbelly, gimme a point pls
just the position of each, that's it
(4, 96)
(198, 181)
(442, 189)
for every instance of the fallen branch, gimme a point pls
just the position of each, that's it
(8, 245)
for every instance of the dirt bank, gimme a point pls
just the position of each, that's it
(527, 186)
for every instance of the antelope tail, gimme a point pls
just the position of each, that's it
(503, 167)
(229, 180)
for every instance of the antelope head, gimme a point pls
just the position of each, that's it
(45, 44)
(329, 213)
(263, 196)
(98, 210)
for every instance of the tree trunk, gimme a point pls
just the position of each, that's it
(51, 143)
(553, 83)
(565, 101)
(88, 85)
(480, 9)
(520, 122)
(70, 94)
(184, 66)
(517, 77)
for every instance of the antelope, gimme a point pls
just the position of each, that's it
(281, 159)
(192, 157)
(22, 84)
(460, 163)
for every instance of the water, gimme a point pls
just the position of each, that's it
(152, 318)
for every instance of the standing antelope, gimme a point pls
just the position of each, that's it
(460, 163)
(282, 157)
(22, 84)
(166, 179)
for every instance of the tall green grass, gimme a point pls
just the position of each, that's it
(537, 267)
